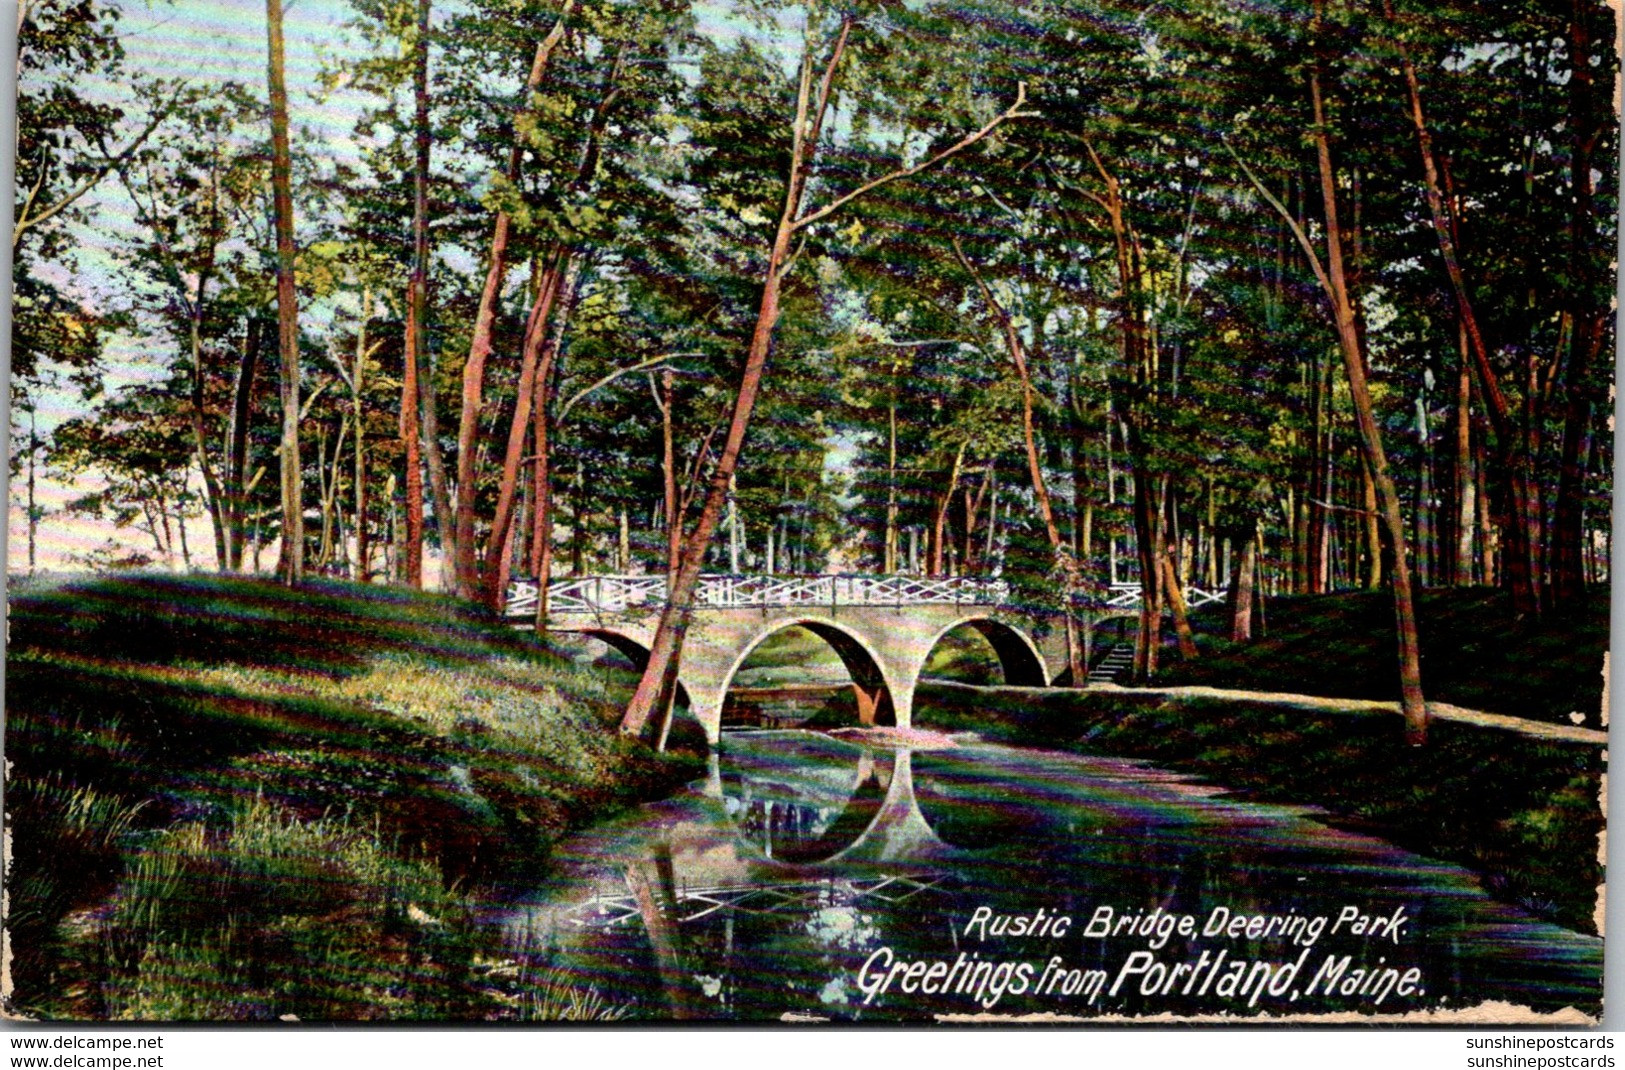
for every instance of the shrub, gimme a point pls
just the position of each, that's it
(271, 916)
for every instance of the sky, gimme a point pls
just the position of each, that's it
(202, 42)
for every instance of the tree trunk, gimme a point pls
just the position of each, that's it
(1064, 559)
(214, 500)
(536, 367)
(1585, 313)
(1176, 601)
(1314, 496)
(659, 676)
(1241, 593)
(732, 524)
(1516, 464)
(973, 507)
(1262, 624)
(33, 509)
(668, 465)
(1135, 386)
(357, 377)
(1082, 500)
(541, 542)
(242, 402)
(1466, 499)
(1149, 550)
(1410, 665)
(291, 561)
(889, 566)
(1424, 496)
(466, 569)
(416, 303)
(1373, 522)
(939, 519)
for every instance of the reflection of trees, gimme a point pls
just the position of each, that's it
(652, 882)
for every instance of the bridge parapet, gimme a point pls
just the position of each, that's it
(1130, 596)
(619, 594)
(882, 628)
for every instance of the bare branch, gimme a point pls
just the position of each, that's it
(304, 410)
(827, 83)
(659, 401)
(33, 192)
(694, 473)
(344, 372)
(1012, 112)
(1297, 231)
(24, 222)
(564, 410)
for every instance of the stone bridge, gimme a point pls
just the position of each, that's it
(883, 628)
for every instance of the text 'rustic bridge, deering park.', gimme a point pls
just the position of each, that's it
(883, 628)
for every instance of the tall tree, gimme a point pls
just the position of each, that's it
(464, 549)
(291, 559)
(811, 110)
(417, 288)
(1332, 274)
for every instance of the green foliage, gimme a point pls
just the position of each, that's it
(274, 916)
(227, 781)
(559, 998)
(653, 152)
(1478, 654)
(64, 46)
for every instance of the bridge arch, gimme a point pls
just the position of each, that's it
(876, 693)
(634, 649)
(1019, 657)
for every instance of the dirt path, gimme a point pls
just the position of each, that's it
(1442, 711)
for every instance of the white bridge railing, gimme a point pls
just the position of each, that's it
(1130, 596)
(621, 594)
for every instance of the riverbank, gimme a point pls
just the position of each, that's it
(1522, 810)
(1477, 653)
(231, 800)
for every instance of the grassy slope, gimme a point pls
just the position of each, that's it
(228, 799)
(1475, 652)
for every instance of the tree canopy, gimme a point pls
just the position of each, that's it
(1302, 295)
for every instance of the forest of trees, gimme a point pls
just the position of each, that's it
(1294, 296)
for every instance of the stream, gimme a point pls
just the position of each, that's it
(814, 878)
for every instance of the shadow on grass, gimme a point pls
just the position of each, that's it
(1476, 652)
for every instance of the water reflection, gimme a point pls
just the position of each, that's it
(806, 797)
(812, 877)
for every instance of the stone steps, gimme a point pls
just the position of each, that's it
(1118, 660)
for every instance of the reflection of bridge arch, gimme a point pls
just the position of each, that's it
(786, 817)
(879, 820)
(861, 661)
(1019, 659)
(899, 831)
